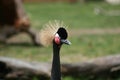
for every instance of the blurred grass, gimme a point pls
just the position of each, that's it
(83, 47)
(76, 16)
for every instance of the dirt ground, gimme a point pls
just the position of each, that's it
(77, 32)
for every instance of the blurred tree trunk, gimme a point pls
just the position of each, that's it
(16, 69)
(14, 20)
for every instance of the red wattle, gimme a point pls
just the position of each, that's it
(57, 40)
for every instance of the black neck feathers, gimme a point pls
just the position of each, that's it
(56, 72)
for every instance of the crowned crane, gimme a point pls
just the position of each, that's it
(56, 34)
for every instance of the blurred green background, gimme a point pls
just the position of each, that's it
(94, 29)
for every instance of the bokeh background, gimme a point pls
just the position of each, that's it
(93, 25)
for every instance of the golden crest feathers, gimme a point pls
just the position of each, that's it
(46, 34)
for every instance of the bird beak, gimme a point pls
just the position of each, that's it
(65, 41)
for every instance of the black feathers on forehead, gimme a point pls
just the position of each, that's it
(62, 33)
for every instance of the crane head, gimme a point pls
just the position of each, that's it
(52, 31)
(61, 37)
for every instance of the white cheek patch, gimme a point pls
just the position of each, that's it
(57, 35)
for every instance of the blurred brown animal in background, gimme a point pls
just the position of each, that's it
(14, 20)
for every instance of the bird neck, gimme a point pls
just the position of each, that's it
(56, 72)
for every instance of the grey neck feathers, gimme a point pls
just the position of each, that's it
(56, 72)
